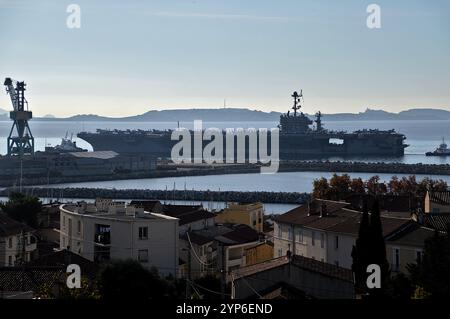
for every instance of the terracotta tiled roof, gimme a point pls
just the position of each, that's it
(442, 197)
(240, 234)
(326, 269)
(338, 219)
(390, 203)
(9, 226)
(28, 278)
(187, 214)
(412, 235)
(197, 239)
(63, 258)
(437, 221)
(308, 264)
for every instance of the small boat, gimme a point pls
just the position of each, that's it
(442, 150)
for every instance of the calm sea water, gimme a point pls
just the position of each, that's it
(422, 136)
(279, 182)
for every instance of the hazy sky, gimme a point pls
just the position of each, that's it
(132, 56)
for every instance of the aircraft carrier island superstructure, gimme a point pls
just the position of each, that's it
(300, 137)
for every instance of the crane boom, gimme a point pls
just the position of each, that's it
(9, 83)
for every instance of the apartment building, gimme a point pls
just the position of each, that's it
(107, 230)
(325, 231)
(251, 214)
(17, 242)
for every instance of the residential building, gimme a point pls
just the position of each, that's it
(406, 246)
(24, 281)
(251, 214)
(153, 206)
(232, 246)
(109, 230)
(305, 277)
(437, 202)
(217, 248)
(191, 217)
(49, 271)
(259, 253)
(325, 231)
(17, 242)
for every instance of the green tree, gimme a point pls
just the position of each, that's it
(374, 186)
(321, 188)
(340, 186)
(361, 251)
(357, 186)
(370, 249)
(377, 245)
(23, 208)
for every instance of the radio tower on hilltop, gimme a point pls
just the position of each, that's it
(23, 142)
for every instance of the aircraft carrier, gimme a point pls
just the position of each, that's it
(300, 137)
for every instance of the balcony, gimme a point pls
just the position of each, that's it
(103, 238)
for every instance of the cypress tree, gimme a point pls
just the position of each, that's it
(377, 254)
(361, 250)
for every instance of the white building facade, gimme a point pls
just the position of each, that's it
(109, 231)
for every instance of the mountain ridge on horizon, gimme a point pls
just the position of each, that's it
(245, 114)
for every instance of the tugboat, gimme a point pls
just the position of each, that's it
(67, 145)
(442, 150)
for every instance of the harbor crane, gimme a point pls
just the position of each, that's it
(20, 139)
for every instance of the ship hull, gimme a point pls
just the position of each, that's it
(291, 146)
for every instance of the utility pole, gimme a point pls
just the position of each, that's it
(223, 276)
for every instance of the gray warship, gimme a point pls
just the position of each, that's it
(300, 138)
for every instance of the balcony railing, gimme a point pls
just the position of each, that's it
(103, 238)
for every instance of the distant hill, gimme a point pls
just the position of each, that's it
(242, 115)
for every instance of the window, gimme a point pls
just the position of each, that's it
(10, 261)
(300, 236)
(313, 240)
(280, 235)
(336, 242)
(64, 221)
(9, 242)
(396, 259)
(289, 233)
(419, 255)
(143, 233)
(254, 223)
(79, 227)
(280, 252)
(322, 240)
(143, 255)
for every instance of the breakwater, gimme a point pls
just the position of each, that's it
(363, 167)
(223, 196)
(171, 170)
